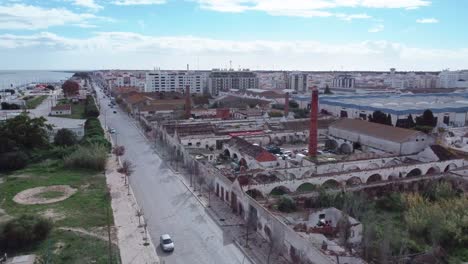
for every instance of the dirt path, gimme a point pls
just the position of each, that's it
(32, 196)
(88, 233)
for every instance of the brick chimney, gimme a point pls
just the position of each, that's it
(313, 123)
(188, 103)
(286, 105)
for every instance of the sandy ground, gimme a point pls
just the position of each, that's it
(131, 237)
(30, 196)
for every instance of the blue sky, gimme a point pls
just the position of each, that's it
(256, 34)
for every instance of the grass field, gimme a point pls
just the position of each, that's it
(86, 209)
(34, 102)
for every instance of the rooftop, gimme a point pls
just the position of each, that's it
(385, 132)
(61, 107)
(402, 104)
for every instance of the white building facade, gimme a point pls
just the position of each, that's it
(175, 81)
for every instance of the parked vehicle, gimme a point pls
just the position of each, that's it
(166, 243)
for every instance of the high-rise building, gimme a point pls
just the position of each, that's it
(226, 80)
(175, 81)
(299, 81)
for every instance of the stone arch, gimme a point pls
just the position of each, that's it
(392, 163)
(374, 178)
(291, 176)
(372, 166)
(227, 153)
(306, 187)
(243, 162)
(331, 184)
(234, 156)
(353, 181)
(353, 168)
(346, 148)
(280, 190)
(331, 144)
(414, 173)
(307, 174)
(433, 170)
(254, 193)
(451, 166)
(393, 176)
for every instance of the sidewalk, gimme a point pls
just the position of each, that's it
(131, 238)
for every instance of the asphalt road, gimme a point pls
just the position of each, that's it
(167, 204)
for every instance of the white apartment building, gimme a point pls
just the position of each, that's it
(175, 81)
(122, 80)
(225, 80)
(453, 79)
(299, 81)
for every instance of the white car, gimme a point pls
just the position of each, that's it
(112, 130)
(166, 243)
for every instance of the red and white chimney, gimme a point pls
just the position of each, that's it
(313, 123)
(286, 105)
(188, 103)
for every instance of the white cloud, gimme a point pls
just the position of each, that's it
(377, 28)
(305, 8)
(19, 16)
(88, 4)
(139, 2)
(132, 50)
(427, 21)
(353, 16)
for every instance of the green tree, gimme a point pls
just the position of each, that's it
(293, 104)
(23, 132)
(327, 90)
(379, 117)
(275, 114)
(65, 137)
(427, 119)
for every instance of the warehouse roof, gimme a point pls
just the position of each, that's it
(390, 133)
(401, 104)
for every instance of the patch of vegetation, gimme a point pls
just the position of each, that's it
(65, 137)
(24, 232)
(64, 247)
(91, 109)
(398, 225)
(35, 101)
(86, 208)
(94, 134)
(92, 157)
(286, 204)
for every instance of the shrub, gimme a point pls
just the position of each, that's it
(24, 231)
(58, 152)
(286, 204)
(65, 137)
(13, 160)
(92, 157)
(91, 109)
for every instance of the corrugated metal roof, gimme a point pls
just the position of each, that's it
(389, 133)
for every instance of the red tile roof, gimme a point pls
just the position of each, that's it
(62, 107)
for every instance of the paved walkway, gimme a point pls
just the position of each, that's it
(135, 246)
